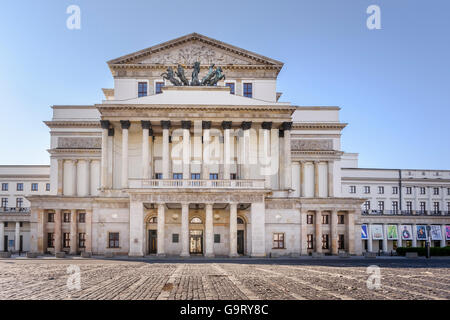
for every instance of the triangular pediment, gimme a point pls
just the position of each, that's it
(192, 48)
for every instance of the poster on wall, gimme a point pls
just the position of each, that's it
(436, 233)
(364, 232)
(447, 232)
(392, 232)
(377, 232)
(421, 233)
(406, 231)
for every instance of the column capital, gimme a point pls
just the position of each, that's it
(281, 133)
(185, 203)
(165, 124)
(105, 124)
(125, 124)
(226, 125)
(185, 124)
(206, 125)
(146, 124)
(286, 126)
(266, 125)
(111, 132)
(246, 125)
(209, 204)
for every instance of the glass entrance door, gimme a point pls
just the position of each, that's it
(240, 242)
(152, 238)
(196, 242)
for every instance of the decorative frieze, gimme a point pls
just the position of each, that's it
(79, 143)
(197, 198)
(312, 145)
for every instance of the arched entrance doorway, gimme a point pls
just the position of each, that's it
(196, 236)
(152, 234)
(240, 236)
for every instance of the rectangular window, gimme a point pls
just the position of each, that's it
(175, 237)
(366, 189)
(66, 217)
(381, 205)
(50, 240)
(436, 191)
(341, 219)
(82, 240)
(4, 202)
(422, 190)
(352, 189)
(158, 176)
(341, 242)
(19, 202)
(158, 87)
(113, 240)
(394, 190)
(435, 207)
(408, 190)
(47, 187)
(325, 219)
(50, 217)
(309, 219)
(248, 90)
(20, 186)
(310, 241)
(423, 206)
(195, 176)
(233, 176)
(448, 207)
(142, 89)
(278, 241)
(448, 191)
(216, 238)
(82, 217)
(213, 176)
(34, 187)
(231, 86)
(395, 206)
(66, 240)
(367, 206)
(4, 187)
(325, 241)
(380, 190)
(178, 176)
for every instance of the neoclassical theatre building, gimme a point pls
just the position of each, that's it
(193, 153)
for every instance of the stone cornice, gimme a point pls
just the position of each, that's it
(105, 107)
(318, 152)
(318, 126)
(73, 124)
(76, 151)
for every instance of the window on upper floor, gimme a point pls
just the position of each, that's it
(142, 89)
(380, 190)
(66, 240)
(366, 189)
(19, 202)
(231, 86)
(325, 241)
(448, 191)
(158, 87)
(395, 206)
(310, 240)
(408, 190)
(352, 189)
(82, 217)
(248, 90)
(367, 205)
(325, 219)
(423, 206)
(34, 187)
(436, 191)
(158, 176)
(309, 219)
(82, 240)
(233, 176)
(422, 190)
(436, 207)
(47, 187)
(66, 217)
(341, 219)
(409, 206)
(448, 206)
(4, 202)
(4, 187)
(19, 186)
(178, 176)
(213, 176)
(51, 217)
(195, 176)
(394, 190)
(381, 205)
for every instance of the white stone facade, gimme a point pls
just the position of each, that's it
(196, 169)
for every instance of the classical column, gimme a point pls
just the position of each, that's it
(258, 229)
(185, 229)
(209, 231)
(385, 241)
(151, 168)
(330, 179)
(233, 230)
(287, 126)
(137, 230)
(318, 225)
(443, 240)
(89, 188)
(351, 232)
(399, 240)
(145, 149)
(88, 239)
(37, 230)
(246, 125)
(186, 125)
(226, 126)
(316, 179)
(334, 240)
(57, 223)
(161, 231)
(165, 149)
(61, 175)
(304, 232)
(125, 126)
(206, 126)
(74, 177)
(265, 159)
(73, 232)
(17, 237)
(414, 235)
(2, 236)
(104, 162)
(369, 238)
(302, 179)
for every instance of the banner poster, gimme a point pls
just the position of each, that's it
(364, 232)
(377, 232)
(447, 232)
(421, 233)
(436, 233)
(406, 232)
(392, 232)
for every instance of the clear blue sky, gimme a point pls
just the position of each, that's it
(393, 84)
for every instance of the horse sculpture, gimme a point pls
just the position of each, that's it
(181, 76)
(195, 72)
(169, 75)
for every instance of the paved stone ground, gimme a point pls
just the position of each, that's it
(218, 279)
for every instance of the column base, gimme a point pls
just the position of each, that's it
(185, 255)
(209, 255)
(258, 255)
(162, 255)
(233, 255)
(135, 254)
